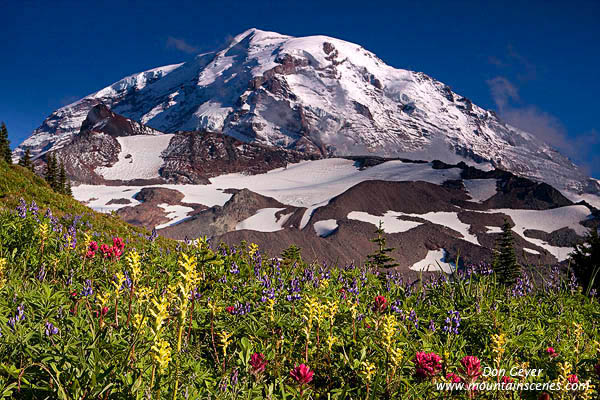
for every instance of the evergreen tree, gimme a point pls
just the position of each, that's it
(381, 257)
(585, 261)
(505, 261)
(67, 188)
(62, 179)
(5, 152)
(51, 172)
(25, 160)
(291, 255)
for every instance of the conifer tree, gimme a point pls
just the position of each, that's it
(291, 255)
(585, 261)
(25, 160)
(5, 152)
(62, 179)
(51, 172)
(505, 261)
(381, 257)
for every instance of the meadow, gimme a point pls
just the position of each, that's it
(89, 314)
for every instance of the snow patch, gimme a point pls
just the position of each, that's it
(264, 221)
(391, 222)
(326, 227)
(493, 229)
(434, 261)
(531, 251)
(175, 213)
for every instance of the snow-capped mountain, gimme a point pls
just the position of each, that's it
(318, 95)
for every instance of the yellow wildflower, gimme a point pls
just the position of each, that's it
(367, 371)
(133, 259)
(162, 354)
(225, 341)
(3, 263)
(252, 249)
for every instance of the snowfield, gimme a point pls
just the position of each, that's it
(139, 157)
(391, 221)
(308, 184)
(448, 219)
(264, 221)
(548, 221)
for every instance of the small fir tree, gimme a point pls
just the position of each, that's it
(5, 152)
(585, 261)
(505, 261)
(62, 179)
(25, 160)
(381, 257)
(51, 170)
(291, 255)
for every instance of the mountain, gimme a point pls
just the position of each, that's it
(319, 96)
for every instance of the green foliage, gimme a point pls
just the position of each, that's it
(291, 255)
(5, 152)
(505, 261)
(381, 257)
(25, 160)
(176, 324)
(585, 261)
(17, 182)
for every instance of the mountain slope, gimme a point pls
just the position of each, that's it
(318, 95)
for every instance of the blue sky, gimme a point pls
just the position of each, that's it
(535, 64)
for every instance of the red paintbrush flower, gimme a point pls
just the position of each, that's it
(471, 367)
(427, 364)
(379, 304)
(302, 374)
(258, 363)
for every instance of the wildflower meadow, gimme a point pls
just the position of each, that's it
(87, 314)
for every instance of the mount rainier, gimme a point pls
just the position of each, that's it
(321, 96)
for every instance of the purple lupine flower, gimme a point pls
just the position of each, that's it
(413, 318)
(11, 322)
(452, 322)
(33, 208)
(22, 208)
(87, 289)
(41, 274)
(522, 286)
(235, 270)
(50, 329)
(234, 378)
(20, 313)
(431, 326)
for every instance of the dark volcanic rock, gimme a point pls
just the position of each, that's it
(149, 214)
(102, 119)
(219, 220)
(193, 157)
(96, 146)
(512, 191)
(158, 195)
(564, 237)
(119, 201)
(378, 197)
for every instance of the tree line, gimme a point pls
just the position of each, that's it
(55, 173)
